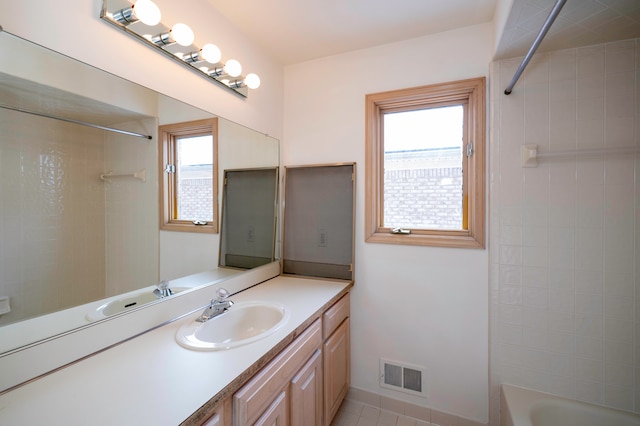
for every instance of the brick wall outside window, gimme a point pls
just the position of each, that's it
(423, 189)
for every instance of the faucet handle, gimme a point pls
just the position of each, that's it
(222, 294)
(163, 284)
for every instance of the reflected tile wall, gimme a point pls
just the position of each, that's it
(565, 299)
(52, 232)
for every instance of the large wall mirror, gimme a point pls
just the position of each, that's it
(79, 220)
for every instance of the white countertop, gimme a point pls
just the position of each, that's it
(151, 380)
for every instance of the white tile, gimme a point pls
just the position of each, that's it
(618, 397)
(510, 314)
(588, 281)
(562, 125)
(562, 321)
(562, 66)
(618, 330)
(562, 237)
(618, 307)
(535, 338)
(590, 249)
(619, 284)
(590, 109)
(510, 255)
(592, 87)
(511, 235)
(619, 132)
(535, 277)
(590, 134)
(536, 215)
(592, 392)
(509, 334)
(561, 300)
(510, 275)
(618, 353)
(536, 318)
(619, 84)
(535, 256)
(564, 343)
(590, 326)
(562, 365)
(535, 297)
(560, 259)
(590, 348)
(590, 60)
(590, 370)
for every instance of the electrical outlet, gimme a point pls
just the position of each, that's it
(251, 233)
(323, 238)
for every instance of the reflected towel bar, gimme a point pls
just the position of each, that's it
(82, 123)
(530, 156)
(543, 32)
(140, 175)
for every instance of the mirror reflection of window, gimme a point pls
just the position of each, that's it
(188, 164)
(194, 174)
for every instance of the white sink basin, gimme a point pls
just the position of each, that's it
(243, 323)
(125, 303)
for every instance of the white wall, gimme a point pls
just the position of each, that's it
(418, 305)
(564, 236)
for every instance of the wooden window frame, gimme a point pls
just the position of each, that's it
(471, 92)
(168, 181)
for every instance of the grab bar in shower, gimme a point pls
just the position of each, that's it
(543, 32)
(529, 153)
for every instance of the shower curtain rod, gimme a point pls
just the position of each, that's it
(543, 32)
(82, 123)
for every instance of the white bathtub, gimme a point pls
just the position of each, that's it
(524, 407)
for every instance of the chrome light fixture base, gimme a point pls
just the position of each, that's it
(161, 41)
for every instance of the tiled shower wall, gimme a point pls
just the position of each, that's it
(52, 205)
(565, 284)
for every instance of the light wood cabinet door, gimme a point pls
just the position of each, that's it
(277, 414)
(221, 415)
(306, 393)
(337, 370)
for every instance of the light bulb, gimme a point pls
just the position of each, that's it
(147, 12)
(252, 81)
(211, 53)
(233, 68)
(182, 34)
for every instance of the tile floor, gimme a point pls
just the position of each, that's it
(354, 413)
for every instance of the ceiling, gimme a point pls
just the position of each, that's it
(295, 31)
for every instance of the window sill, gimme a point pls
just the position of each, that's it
(189, 227)
(456, 239)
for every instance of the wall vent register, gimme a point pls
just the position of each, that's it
(402, 377)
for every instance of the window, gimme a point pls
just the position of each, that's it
(425, 165)
(188, 166)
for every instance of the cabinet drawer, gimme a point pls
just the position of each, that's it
(334, 316)
(254, 397)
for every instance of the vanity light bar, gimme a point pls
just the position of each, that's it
(144, 15)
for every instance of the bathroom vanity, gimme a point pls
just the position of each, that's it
(300, 371)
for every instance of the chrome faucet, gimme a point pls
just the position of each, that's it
(162, 289)
(217, 306)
